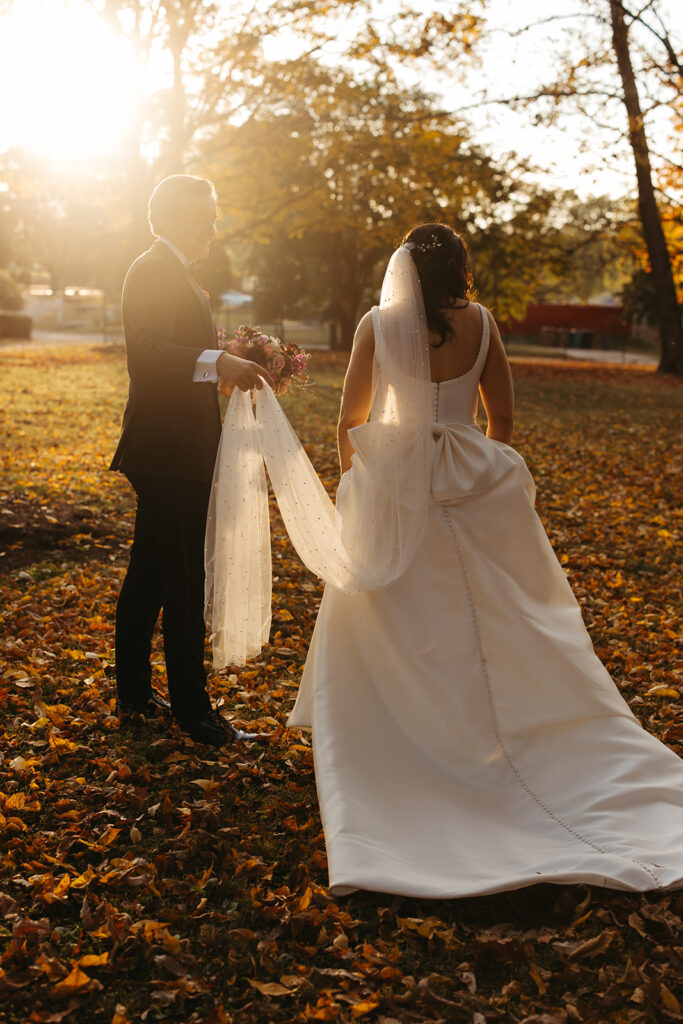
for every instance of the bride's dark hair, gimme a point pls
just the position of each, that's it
(443, 266)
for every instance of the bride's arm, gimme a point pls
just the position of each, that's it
(496, 388)
(357, 392)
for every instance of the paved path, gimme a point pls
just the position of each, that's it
(613, 356)
(42, 339)
(610, 355)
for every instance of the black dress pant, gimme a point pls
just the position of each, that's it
(166, 571)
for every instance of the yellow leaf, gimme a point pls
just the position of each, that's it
(323, 1011)
(93, 960)
(74, 982)
(149, 928)
(205, 876)
(423, 926)
(109, 835)
(269, 988)
(206, 784)
(538, 981)
(663, 691)
(50, 966)
(60, 891)
(61, 745)
(669, 1001)
(305, 900)
(360, 1009)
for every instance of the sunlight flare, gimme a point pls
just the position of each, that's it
(68, 80)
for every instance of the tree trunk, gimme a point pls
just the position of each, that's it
(347, 277)
(347, 323)
(333, 336)
(178, 34)
(176, 140)
(669, 312)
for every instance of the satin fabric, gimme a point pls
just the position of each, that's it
(466, 738)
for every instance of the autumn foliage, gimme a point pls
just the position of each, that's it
(145, 878)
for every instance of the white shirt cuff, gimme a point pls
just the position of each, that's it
(205, 368)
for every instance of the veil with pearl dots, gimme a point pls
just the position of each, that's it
(368, 539)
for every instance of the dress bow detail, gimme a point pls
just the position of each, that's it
(466, 463)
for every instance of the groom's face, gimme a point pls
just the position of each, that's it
(194, 227)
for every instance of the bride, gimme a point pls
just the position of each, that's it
(466, 738)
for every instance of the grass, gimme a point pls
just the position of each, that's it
(198, 878)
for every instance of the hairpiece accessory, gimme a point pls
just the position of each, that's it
(432, 242)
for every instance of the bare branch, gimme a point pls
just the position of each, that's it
(662, 36)
(513, 33)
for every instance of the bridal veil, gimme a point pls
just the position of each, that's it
(369, 538)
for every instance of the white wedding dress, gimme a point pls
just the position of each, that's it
(466, 737)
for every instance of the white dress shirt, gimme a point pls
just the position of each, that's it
(205, 371)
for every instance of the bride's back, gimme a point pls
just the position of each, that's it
(458, 354)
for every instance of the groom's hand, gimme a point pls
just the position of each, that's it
(242, 373)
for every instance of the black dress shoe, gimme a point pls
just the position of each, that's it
(154, 707)
(215, 730)
(209, 729)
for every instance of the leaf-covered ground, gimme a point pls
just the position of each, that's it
(143, 878)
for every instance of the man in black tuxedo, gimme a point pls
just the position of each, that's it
(167, 449)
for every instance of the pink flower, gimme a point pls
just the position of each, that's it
(285, 363)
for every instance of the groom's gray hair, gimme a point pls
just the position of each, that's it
(170, 195)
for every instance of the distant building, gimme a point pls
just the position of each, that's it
(568, 325)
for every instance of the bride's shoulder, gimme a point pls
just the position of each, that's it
(365, 333)
(485, 313)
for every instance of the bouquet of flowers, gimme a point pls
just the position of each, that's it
(285, 362)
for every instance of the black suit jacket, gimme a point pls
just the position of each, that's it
(171, 426)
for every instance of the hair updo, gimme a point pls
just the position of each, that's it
(443, 266)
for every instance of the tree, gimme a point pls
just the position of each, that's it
(10, 295)
(73, 226)
(600, 78)
(668, 308)
(342, 168)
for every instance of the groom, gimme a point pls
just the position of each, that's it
(167, 449)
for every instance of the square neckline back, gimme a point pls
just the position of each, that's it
(483, 341)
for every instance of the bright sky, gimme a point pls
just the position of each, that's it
(63, 80)
(67, 78)
(574, 154)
